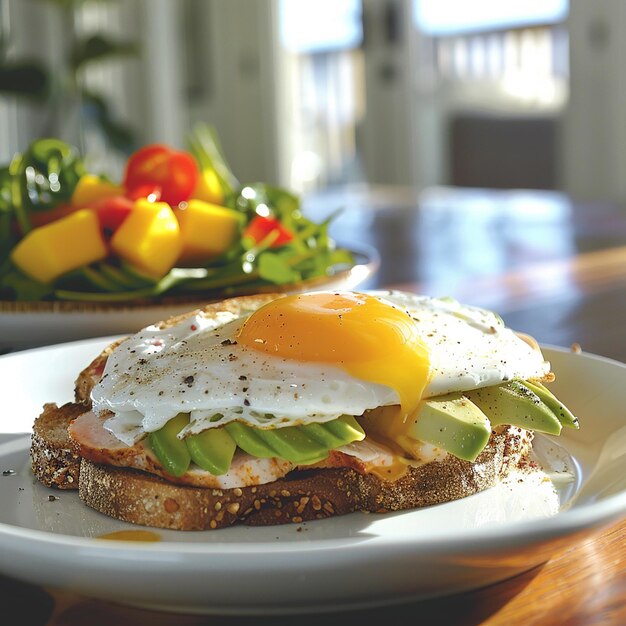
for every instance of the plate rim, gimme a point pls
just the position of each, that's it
(279, 575)
(578, 517)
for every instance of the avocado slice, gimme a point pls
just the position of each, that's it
(563, 414)
(304, 444)
(171, 451)
(346, 428)
(514, 403)
(212, 450)
(248, 440)
(336, 433)
(450, 422)
(322, 434)
(293, 444)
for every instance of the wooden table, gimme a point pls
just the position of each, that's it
(554, 269)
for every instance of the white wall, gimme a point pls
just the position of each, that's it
(389, 129)
(26, 24)
(594, 125)
(244, 101)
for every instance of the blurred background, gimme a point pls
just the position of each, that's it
(311, 94)
(477, 146)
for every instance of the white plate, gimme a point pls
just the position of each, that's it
(26, 324)
(355, 560)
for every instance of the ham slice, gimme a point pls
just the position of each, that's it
(97, 444)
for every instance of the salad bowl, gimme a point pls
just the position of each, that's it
(82, 255)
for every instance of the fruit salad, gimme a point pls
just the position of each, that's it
(177, 223)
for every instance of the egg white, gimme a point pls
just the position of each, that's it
(197, 367)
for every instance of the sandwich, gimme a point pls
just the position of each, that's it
(273, 409)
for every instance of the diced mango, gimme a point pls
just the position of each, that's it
(207, 230)
(149, 238)
(208, 188)
(49, 251)
(90, 189)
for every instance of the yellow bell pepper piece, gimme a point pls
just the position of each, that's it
(207, 230)
(149, 238)
(90, 189)
(208, 188)
(50, 251)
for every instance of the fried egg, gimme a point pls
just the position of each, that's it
(307, 358)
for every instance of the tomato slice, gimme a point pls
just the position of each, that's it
(260, 227)
(112, 212)
(174, 172)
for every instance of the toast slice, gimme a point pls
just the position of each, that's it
(54, 458)
(303, 495)
(141, 498)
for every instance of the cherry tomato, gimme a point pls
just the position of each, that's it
(112, 212)
(145, 191)
(260, 227)
(156, 165)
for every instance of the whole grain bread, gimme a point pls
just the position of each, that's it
(303, 495)
(141, 498)
(54, 458)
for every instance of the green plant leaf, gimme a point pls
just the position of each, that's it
(207, 150)
(282, 203)
(8, 237)
(15, 285)
(41, 178)
(24, 78)
(98, 47)
(5, 190)
(165, 284)
(275, 269)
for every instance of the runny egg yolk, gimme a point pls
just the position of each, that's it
(364, 336)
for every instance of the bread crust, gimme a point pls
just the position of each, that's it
(140, 498)
(54, 458)
(91, 375)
